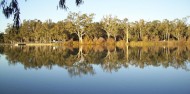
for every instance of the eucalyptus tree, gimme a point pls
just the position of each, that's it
(187, 23)
(64, 31)
(35, 27)
(141, 28)
(148, 31)
(110, 25)
(180, 28)
(154, 31)
(59, 31)
(134, 31)
(81, 22)
(46, 35)
(167, 28)
(138, 28)
(95, 30)
(25, 31)
(10, 34)
(124, 29)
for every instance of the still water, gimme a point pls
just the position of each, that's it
(94, 70)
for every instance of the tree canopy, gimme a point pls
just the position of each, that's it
(81, 27)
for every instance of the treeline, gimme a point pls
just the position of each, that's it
(79, 61)
(81, 27)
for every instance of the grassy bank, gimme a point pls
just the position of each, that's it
(160, 43)
(39, 44)
(113, 43)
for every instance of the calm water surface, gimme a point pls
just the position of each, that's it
(94, 70)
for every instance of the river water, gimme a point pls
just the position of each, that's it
(94, 70)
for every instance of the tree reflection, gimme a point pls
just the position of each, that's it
(80, 61)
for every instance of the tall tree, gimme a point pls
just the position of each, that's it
(167, 28)
(25, 32)
(110, 25)
(141, 25)
(11, 34)
(81, 21)
(180, 28)
(95, 30)
(124, 25)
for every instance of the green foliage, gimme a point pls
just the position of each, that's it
(77, 26)
(81, 23)
(1, 38)
(110, 25)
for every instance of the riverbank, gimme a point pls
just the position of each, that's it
(108, 43)
(29, 44)
(160, 43)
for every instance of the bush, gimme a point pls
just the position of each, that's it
(100, 41)
(110, 41)
(121, 44)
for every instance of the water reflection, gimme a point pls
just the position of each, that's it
(80, 61)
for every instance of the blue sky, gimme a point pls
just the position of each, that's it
(131, 9)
